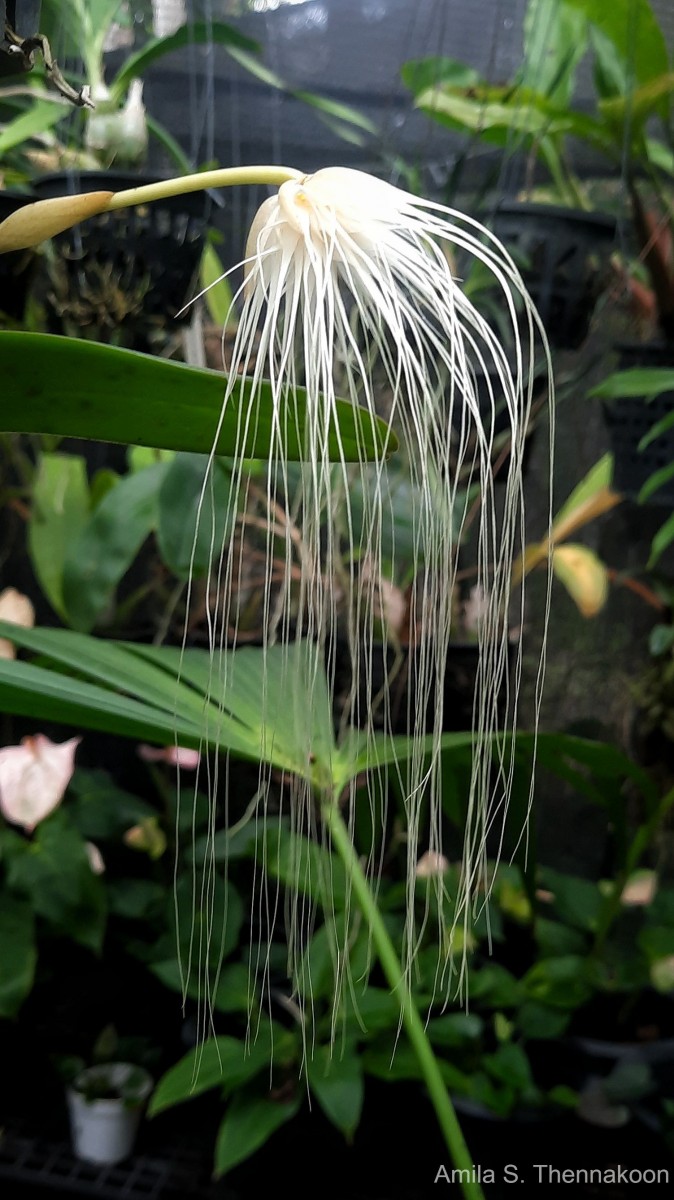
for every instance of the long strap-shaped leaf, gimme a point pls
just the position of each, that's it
(80, 389)
(264, 705)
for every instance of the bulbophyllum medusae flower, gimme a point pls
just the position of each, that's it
(34, 777)
(348, 282)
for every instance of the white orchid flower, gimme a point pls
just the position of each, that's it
(348, 280)
(34, 777)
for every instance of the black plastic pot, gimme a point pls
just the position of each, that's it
(17, 267)
(149, 253)
(562, 254)
(629, 418)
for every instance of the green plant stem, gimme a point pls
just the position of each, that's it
(201, 181)
(412, 1021)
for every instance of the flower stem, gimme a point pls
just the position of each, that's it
(444, 1109)
(201, 181)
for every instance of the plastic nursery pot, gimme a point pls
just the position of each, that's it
(17, 267)
(106, 1104)
(562, 254)
(628, 418)
(132, 270)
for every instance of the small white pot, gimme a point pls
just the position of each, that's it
(104, 1131)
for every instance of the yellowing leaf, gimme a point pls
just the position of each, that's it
(584, 576)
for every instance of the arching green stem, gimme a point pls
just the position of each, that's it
(414, 1027)
(200, 182)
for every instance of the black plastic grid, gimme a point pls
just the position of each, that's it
(563, 256)
(40, 1163)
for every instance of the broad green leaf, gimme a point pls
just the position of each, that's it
(509, 1064)
(18, 953)
(632, 27)
(100, 809)
(210, 915)
(576, 900)
(48, 695)
(194, 33)
(40, 117)
(59, 513)
(336, 1080)
(187, 507)
(81, 389)
(136, 899)
(385, 1063)
(100, 556)
(559, 982)
(248, 1123)
(305, 866)
(635, 381)
(55, 874)
(555, 41)
(536, 1020)
(225, 1062)
(455, 1029)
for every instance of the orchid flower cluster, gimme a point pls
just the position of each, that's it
(347, 278)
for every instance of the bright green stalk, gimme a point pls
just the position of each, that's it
(226, 177)
(444, 1109)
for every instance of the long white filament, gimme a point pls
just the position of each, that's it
(347, 279)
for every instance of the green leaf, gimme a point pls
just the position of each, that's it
(599, 477)
(220, 1062)
(655, 482)
(632, 27)
(136, 899)
(41, 116)
(555, 41)
(380, 1061)
(100, 809)
(455, 1029)
(55, 874)
(18, 953)
(340, 114)
(509, 1064)
(248, 1123)
(421, 74)
(536, 1020)
(635, 381)
(81, 389)
(195, 520)
(576, 900)
(663, 538)
(559, 982)
(661, 639)
(107, 545)
(60, 511)
(336, 1080)
(194, 33)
